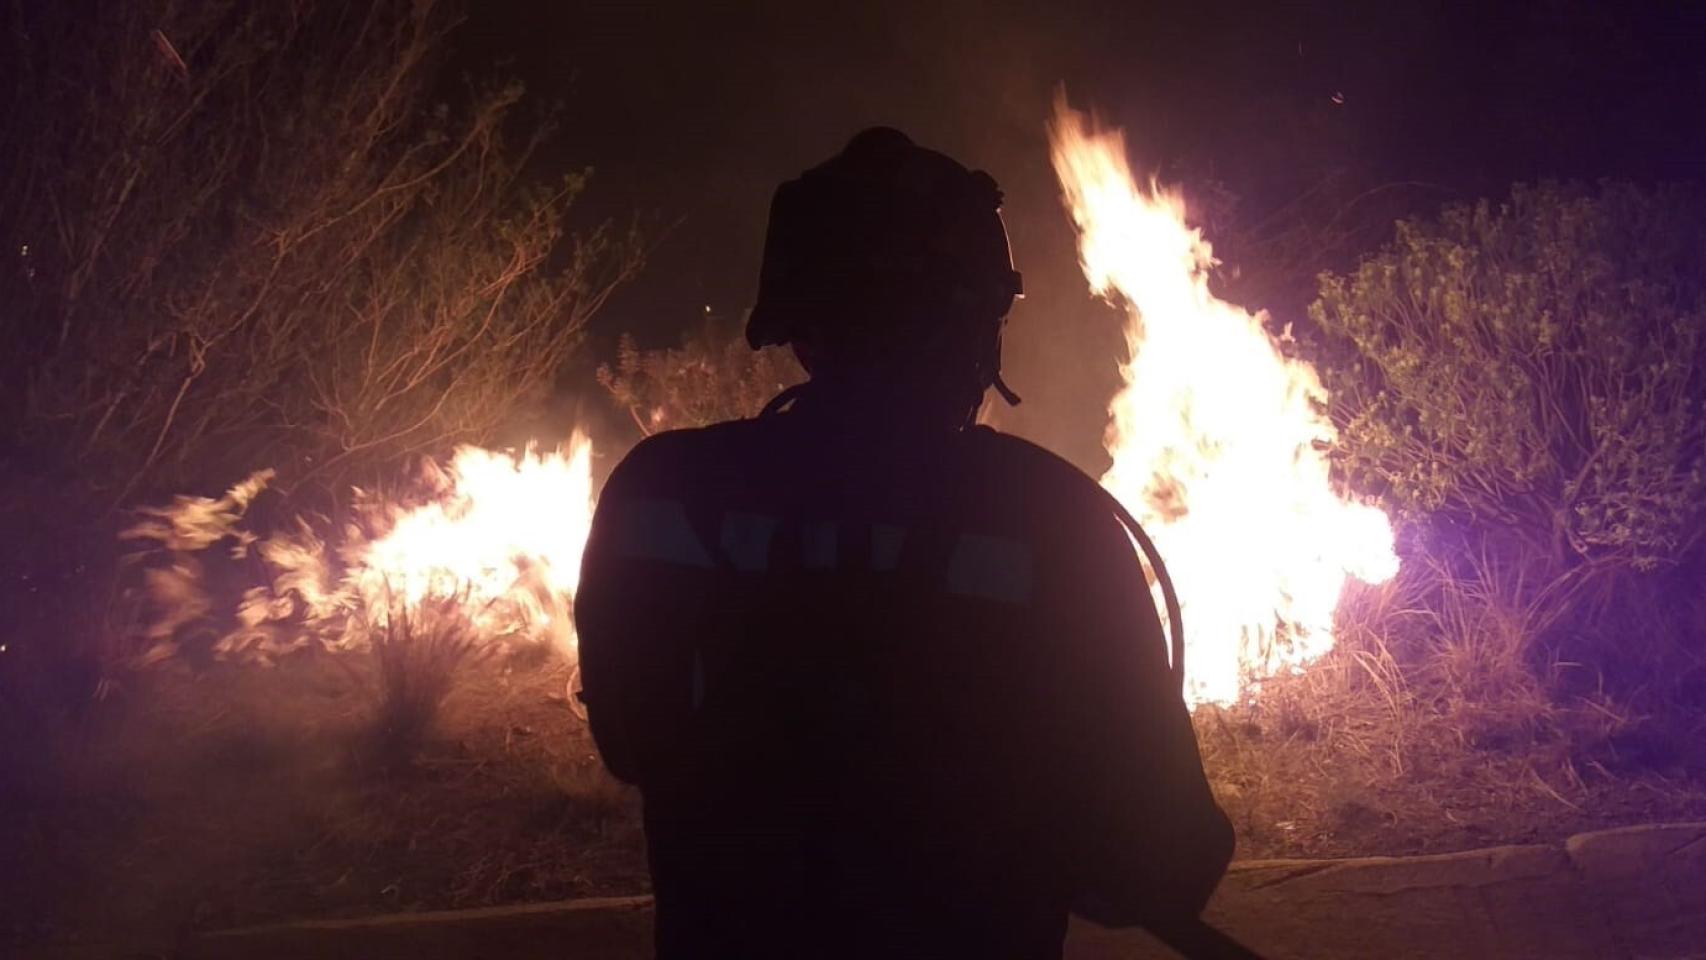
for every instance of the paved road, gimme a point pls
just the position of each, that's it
(1632, 894)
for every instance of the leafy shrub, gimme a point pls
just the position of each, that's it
(1525, 382)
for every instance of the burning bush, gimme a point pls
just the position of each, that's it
(1419, 719)
(241, 235)
(482, 553)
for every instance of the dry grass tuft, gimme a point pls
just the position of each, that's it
(241, 795)
(419, 653)
(1435, 724)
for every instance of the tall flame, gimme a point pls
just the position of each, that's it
(1218, 439)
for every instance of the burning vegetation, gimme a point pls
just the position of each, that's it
(1228, 445)
(481, 554)
(1219, 442)
(1509, 396)
(1219, 439)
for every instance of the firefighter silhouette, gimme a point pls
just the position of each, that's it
(891, 683)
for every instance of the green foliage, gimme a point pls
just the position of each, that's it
(1534, 371)
(711, 377)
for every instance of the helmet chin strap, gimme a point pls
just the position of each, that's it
(1006, 392)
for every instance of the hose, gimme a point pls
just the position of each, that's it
(1169, 597)
(1192, 937)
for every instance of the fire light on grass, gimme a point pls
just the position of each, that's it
(1218, 438)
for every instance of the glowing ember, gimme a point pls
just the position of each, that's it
(1218, 440)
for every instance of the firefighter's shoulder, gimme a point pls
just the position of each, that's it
(1048, 481)
(664, 461)
(1016, 457)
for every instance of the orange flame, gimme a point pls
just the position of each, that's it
(1218, 439)
(501, 534)
(505, 535)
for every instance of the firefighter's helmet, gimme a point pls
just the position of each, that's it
(888, 248)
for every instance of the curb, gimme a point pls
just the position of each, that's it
(1633, 893)
(1651, 883)
(596, 928)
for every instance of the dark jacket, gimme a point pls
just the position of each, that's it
(886, 695)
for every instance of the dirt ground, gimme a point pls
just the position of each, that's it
(241, 795)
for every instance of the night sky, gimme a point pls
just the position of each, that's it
(691, 113)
